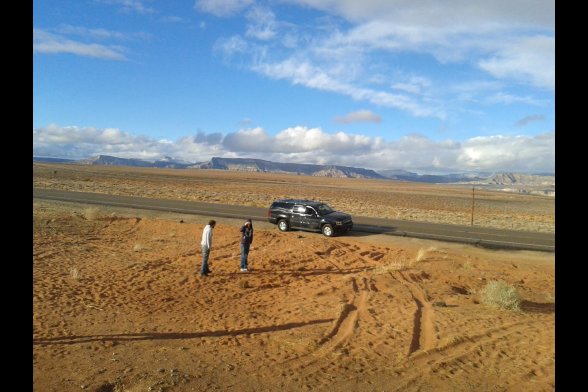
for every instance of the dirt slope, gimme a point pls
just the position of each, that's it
(118, 306)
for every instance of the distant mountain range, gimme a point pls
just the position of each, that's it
(234, 164)
(260, 165)
(404, 175)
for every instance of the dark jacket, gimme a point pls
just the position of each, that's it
(246, 234)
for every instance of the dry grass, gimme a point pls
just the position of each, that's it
(138, 248)
(392, 266)
(422, 253)
(467, 265)
(74, 273)
(499, 294)
(91, 213)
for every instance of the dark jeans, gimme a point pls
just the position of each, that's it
(244, 254)
(205, 254)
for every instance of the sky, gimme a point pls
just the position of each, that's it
(426, 86)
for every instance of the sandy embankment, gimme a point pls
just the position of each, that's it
(117, 305)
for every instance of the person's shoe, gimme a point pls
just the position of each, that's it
(203, 275)
(244, 270)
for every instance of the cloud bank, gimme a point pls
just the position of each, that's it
(309, 145)
(360, 49)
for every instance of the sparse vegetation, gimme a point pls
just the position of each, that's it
(498, 293)
(74, 273)
(424, 202)
(422, 253)
(367, 304)
(91, 213)
(392, 266)
(467, 265)
(138, 247)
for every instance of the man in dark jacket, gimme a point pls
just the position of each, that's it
(246, 240)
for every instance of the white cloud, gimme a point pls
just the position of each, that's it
(262, 23)
(222, 7)
(359, 116)
(174, 19)
(310, 145)
(507, 99)
(523, 153)
(510, 41)
(529, 119)
(99, 33)
(302, 72)
(414, 85)
(248, 140)
(449, 14)
(137, 6)
(529, 60)
(83, 142)
(231, 46)
(48, 43)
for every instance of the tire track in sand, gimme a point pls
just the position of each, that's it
(467, 354)
(339, 334)
(348, 317)
(425, 334)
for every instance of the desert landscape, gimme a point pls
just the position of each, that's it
(118, 304)
(366, 197)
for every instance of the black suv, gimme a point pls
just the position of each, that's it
(308, 215)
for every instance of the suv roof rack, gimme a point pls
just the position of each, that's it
(300, 201)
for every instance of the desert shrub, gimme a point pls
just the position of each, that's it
(91, 213)
(398, 265)
(138, 248)
(467, 265)
(74, 273)
(498, 293)
(422, 253)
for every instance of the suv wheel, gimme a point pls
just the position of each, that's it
(328, 230)
(283, 225)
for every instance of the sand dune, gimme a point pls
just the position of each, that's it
(118, 306)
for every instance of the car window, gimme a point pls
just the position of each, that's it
(300, 209)
(324, 209)
(310, 211)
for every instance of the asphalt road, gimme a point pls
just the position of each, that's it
(480, 236)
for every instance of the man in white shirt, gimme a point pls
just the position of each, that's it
(206, 244)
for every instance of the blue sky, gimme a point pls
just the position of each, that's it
(426, 86)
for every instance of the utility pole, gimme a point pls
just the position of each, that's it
(472, 206)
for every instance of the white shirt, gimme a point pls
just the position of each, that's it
(207, 237)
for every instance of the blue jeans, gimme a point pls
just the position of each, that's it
(244, 254)
(205, 253)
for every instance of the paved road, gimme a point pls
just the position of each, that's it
(487, 237)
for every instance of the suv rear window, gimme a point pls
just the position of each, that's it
(282, 205)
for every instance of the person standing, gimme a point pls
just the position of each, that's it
(246, 240)
(206, 245)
